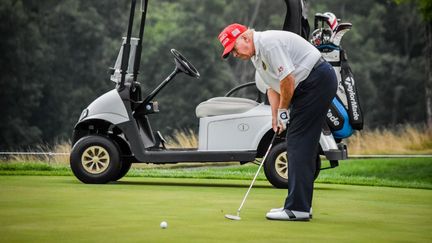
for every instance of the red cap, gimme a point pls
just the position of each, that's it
(229, 35)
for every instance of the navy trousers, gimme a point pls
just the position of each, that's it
(309, 107)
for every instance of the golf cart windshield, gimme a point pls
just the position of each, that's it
(116, 75)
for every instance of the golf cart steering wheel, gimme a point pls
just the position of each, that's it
(184, 65)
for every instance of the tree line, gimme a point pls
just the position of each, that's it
(55, 55)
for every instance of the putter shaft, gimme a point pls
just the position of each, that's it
(256, 174)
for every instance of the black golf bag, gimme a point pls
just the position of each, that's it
(345, 114)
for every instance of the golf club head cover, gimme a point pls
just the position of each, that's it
(283, 119)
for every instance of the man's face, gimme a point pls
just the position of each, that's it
(243, 48)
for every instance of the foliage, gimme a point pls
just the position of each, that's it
(406, 139)
(53, 59)
(403, 140)
(55, 55)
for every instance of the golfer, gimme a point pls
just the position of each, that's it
(294, 75)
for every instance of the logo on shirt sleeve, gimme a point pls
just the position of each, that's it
(280, 69)
(264, 66)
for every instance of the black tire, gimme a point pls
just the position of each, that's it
(274, 166)
(125, 167)
(95, 160)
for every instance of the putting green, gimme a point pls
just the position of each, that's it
(61, 209)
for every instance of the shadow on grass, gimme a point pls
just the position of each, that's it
(160, 182)
(206, 184)
(179, 183)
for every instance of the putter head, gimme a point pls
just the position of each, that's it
(232, 217)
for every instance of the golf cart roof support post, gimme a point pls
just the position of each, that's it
(137, 60)
(160, 87)
(126, 46)
(292, 17)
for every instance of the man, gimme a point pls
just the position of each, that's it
(294, 74)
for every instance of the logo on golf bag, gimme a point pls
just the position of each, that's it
(334, 119)
(354, 109)
(338, 120)
(349, 82)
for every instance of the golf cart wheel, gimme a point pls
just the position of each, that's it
(276, 166)
(125, 167)
(95, 160)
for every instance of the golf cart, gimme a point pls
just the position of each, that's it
(114, 130)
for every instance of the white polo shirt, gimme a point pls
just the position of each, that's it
(280, 53)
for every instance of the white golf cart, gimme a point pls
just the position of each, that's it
(114, 130)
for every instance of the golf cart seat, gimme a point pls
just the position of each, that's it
(224, 106)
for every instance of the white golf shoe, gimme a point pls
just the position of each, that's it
(289, 215)
(282, 208)
(276, 209)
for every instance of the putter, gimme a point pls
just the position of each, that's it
(237, 217)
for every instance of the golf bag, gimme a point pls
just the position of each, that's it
(345, 114)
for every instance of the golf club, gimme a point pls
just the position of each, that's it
(237, 217)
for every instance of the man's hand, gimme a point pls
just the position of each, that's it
(286, 94)
(282, 119)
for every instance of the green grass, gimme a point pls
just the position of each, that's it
(61, 209)
(34, 168)
(400, 172)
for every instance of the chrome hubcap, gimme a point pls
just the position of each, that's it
(95, 159)
(281, 165)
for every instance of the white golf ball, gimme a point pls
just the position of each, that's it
(163, 225)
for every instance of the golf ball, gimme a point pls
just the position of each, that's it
(163, 225)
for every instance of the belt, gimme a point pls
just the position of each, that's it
(319, 62)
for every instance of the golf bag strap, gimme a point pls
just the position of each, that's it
(354, 109)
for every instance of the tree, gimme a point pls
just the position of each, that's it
(55, 54)
(426, 10)
(19, 94)
(425, 7)
(54, 60)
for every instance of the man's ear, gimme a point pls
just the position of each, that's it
(245, 38)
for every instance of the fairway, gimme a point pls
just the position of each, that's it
(61, 209)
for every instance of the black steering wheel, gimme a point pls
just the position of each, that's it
(184, 65)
